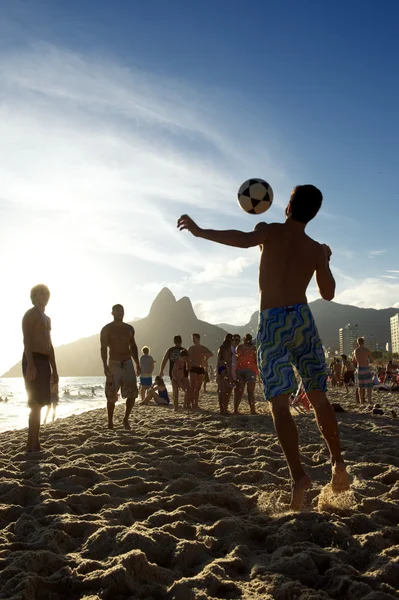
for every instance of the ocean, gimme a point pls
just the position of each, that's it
(77, 395)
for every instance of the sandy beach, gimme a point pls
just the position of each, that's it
(193, 506)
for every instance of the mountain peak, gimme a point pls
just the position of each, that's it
(163, 301)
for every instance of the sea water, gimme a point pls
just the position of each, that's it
(77, 395)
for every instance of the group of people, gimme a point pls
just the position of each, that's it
(287, 337)
(358, 371)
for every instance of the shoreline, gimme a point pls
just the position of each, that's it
(194, 505)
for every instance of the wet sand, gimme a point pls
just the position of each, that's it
(194, 506)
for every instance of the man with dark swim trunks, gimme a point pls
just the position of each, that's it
(198, 358)
(119, 371)
(287, 334)
(172, 355)
(38, 361)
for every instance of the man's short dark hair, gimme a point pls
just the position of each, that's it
(177, 339)
(38, 289)
(183, 352)
(305, 202)
(196, 335)
(115, 306)
(344, 356)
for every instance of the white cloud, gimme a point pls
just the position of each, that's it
(375, 253)
(373, 292)
(217, 271)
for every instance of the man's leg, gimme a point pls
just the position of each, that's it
(129, 407)
(33, 444)
(196, 384)
(369, 393)
(238, 394)
(110, 412)
(328, 426)
(175, 389)
(251, 396)
(287, 434)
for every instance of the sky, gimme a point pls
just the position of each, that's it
(118, 117)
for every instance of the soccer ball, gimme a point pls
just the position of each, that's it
(255, 196)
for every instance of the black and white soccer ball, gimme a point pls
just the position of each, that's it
(255, 196)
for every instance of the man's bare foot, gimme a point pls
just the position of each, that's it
(340, 478)
(298, 491)
(110, 425)
(126, 424)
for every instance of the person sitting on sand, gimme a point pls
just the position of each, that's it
(157, 392)
(224, 374)
(246, 373)
(181, 381)
(147, 364)
(287, 333)
(364, 377)
(38, 361)
(119, 371)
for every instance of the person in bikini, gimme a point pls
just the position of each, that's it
(246, 373)
(157, 392)
(181, 381)
(198, 357)
(119, 371)
(287, 334)
(171, 356)
(224, 375)
(39, 368)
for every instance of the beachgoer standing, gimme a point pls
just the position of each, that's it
(38, 361)
(119, 371)
(198, 357)
(246, 373)
(224, 375)
(364, 377)
(348, 369)
(181, 381)
(147, 364)
(172, 355)
(287, 333)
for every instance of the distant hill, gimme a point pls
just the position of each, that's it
(330, 316)
(168, 317)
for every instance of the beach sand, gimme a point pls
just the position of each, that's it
(193, 506)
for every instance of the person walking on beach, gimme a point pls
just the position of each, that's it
(147, 364)
(287, 334)
(172, 355)
(38, 362)
(246, 373)
(224, 375)
(364, 377)
(119, 371)
(198, 357)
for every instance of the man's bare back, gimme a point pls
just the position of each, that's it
(117, 336)
(288, 261)
(362, 356)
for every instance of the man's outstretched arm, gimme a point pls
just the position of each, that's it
(230, 237)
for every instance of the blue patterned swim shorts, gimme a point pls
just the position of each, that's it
(287, 337)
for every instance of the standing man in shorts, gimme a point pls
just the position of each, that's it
(119, 371)
(172, 355)
(287, 334)
(147, 364)
(224, 375)
(348, 370)
(198, 358)
(363, 377)
(38, 361)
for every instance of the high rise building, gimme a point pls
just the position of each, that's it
(395, 333)
(347, 339)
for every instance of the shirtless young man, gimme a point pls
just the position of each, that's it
(172, 355)
(198, 358)
(287, 334)
(119, 371)
(38, 361)
(348, 370)
(364, 377)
